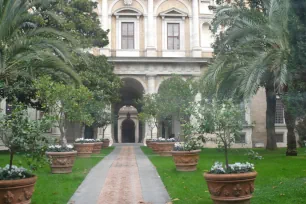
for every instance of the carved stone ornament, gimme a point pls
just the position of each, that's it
(186, 160)
(231, 188)
(127, 2)
(8, 197)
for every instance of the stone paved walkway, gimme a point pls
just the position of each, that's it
(126, 176)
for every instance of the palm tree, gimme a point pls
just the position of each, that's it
(28, 49)
(252, 52)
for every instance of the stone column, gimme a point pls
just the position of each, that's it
(151, 90)
(151, 84)
(151, 30)
(196, 49)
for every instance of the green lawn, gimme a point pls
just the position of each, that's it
(58, 188)
(280, 179)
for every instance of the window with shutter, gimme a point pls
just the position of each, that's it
(127, 35)
(173, 36)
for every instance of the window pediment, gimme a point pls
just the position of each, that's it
(127, 12)
(173, 12)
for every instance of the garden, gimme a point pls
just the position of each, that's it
(58, 188)
(44, 66)
(280, 179)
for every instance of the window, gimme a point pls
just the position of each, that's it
(279, 113)
(173, 36)
(243, 112)
(127, 35)
(240, 138)
(279, 137)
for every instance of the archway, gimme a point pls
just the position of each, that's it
(128, 131)
(131, 91)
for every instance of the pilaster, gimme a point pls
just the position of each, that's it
(196, 49)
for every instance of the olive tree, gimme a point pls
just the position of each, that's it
(222, 118)
(149, 111)
(21, 134)
(66, 102)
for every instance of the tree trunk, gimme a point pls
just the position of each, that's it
(11, 159)
(270, 117)
(291, 140)
(103, 131)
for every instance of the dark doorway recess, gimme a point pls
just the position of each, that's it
(128, 131)
(89, 132)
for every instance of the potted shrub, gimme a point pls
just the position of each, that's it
(97, 147)
(61, 158)
(164, 146)
(20, 134)
(84, 147)
(186, 154)
(105, 143)
(231, 183)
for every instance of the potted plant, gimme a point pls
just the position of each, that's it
(149, 114)
(186, 154)
(164, 146)
(84, 147)
(21, 134)
(231, 183)
(98, 146)
(61, 158)
(105, 142)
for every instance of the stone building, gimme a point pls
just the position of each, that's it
(152, 39)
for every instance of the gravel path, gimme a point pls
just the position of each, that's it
(126, 176)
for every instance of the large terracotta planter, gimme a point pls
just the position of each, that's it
(149, 142)
(231, 188)
(154, 147)
(84, 149)
(105, 144)
(61, 162)
(17, 191)
(165, 148)
(186, 160)
(97, 148)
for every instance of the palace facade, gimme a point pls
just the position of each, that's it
(149, 40)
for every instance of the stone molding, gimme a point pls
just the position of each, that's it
(161, 69)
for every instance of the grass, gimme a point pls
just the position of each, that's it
(280, 179)
(58, 188)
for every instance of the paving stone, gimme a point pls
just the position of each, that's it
(126, 176)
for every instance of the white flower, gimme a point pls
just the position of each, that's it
(69, 146)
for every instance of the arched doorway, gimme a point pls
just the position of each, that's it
(131, 91)
(128, 131)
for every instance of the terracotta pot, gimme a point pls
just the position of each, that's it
(84, 149)
(97, 148)
(105, 144)
(149, 142)
(17, 191)
(61, 162)
(231, 188)
(154, 147)
(186, 160)
(165, 148)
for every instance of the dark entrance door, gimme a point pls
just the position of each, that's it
(89, 132)
(128, 131)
